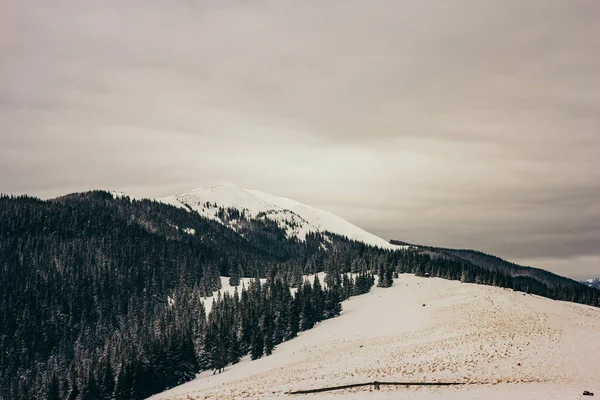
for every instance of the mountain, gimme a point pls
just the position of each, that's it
(594, 282)
(103, 296)
(295, 218)
(544, 281)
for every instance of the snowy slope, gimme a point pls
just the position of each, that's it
(295, 218)
(503, 344)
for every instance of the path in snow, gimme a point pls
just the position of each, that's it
(514, 343)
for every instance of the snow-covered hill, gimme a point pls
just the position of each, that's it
(295, 218)
(503, 344)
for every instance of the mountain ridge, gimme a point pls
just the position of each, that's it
(296, 218)
(491, 262)
(592, 282)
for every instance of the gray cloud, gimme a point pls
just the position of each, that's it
(461, 124)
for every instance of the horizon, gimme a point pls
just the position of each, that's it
(233, 185)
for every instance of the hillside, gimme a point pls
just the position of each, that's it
(527, 276)
(501, 343)
(295, 218)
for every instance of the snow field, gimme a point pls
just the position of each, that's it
(502, 343)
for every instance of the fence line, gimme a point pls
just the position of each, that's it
(376, 386)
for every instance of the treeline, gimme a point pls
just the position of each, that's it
(477, 267)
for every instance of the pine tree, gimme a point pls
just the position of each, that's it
(318, 301)
(381, 276)
(293, 312)
(333, 305)
(307, 313)
(91, 390)
(268, 328)
(123, 389)
(257, 348)
(141, 382)
(74, 392)
(54, 389)
(388, 276)
(107, 383)
(235, 273)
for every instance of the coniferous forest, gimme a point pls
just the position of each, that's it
(103, 297)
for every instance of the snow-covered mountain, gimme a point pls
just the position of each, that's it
(295, 218)
(594, 282)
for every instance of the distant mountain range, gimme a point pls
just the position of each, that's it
(492, 263)
(594, 282)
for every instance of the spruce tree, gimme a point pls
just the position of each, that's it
(257, 347)
(268, 329)
(91, 390)
(235, 273)
(123, 389)
(318, 300)
(54, 389)
(74, 394)
(107, 383)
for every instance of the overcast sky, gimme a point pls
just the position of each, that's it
(471, 124)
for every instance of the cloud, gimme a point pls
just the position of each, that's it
(465, 123)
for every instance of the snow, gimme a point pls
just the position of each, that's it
(245, 282)
(117, 194)
(227, 288)
(190, 231)
(503, 344)
(324, 221)
(295, 218)
(593, 282)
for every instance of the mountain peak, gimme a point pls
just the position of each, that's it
(296, 218)
(223, 186)
(594, 282)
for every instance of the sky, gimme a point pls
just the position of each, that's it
(464, 123)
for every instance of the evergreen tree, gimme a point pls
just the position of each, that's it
(385, 276)
(107, 383)
(333, 305)
(123, 389)
(74, 395)
(235, 273)
(54, 390)
(258, 346)
(318, 300)
(268, 329)
(91, 390)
